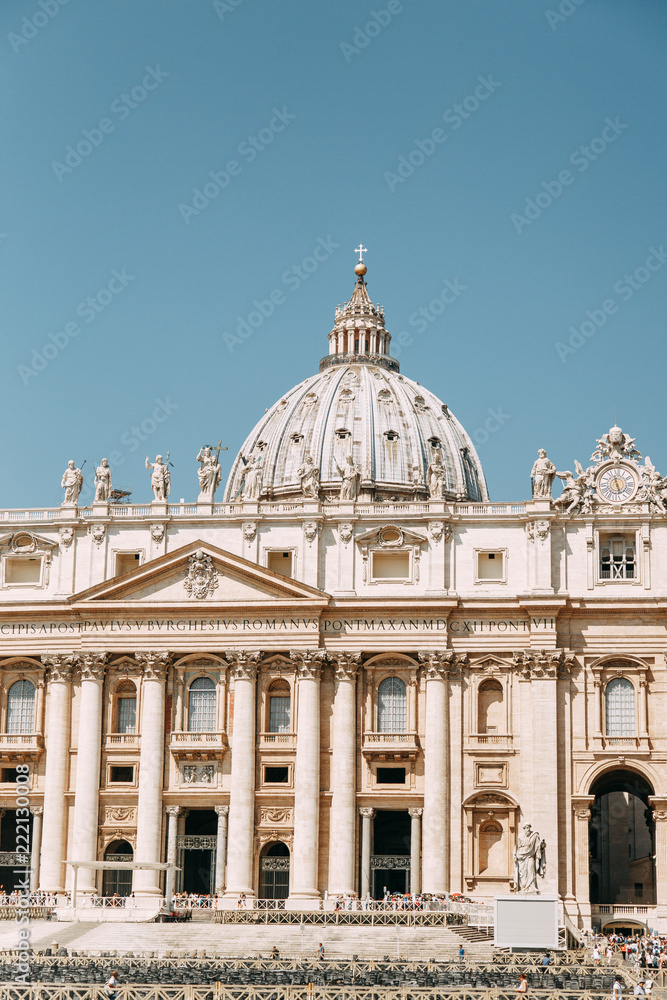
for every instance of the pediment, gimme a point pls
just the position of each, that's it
(391, 536)
(201, 575)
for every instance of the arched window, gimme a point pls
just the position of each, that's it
(201, 714)
(392, 706)
(126, 707)
(620, 707)
(279, 707)
(490, 711)
(21, 707)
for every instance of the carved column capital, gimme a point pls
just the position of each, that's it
(414, 813)
(173, 810)
(441, 664)
(35, 810)
(346, 665)
(92, 666)
(60, 666)
(243, 663)
(308, 662)
(532, 663)
(367, 811)
(222, 810)
(154, 664)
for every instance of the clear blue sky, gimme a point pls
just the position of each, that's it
(305, 111)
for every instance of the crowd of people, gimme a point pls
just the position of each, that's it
(399, 901)
(641, 951)
(192, 901)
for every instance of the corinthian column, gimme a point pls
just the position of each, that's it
(52, 875)
(304, 894)
(151, 771)
(435, 834)
(37, 812)
(243, 667)
(342, 825)
(87, 792)
(172, 830)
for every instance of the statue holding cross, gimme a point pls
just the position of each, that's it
(209, 471)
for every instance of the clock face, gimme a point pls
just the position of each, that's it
(617, 484)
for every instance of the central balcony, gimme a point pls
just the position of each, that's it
(390, 746)
(276, 741)
(198, 746)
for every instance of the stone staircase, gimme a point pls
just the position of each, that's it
(250, 940)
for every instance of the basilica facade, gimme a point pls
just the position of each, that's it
(351, 671)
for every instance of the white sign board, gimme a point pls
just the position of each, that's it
(524, 921)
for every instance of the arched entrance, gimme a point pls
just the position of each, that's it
(621, 840)
(117, 883)
(274, 864)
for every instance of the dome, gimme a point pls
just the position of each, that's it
(370, 432)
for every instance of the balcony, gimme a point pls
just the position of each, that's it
(479, 742)
(198, 746)
(276, 741)
(620, 745)
(121, 741)
(390, 746)
(20, 748)
(614, 911)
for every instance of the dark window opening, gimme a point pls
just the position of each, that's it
(391, 775)
(122, 773)
(276, 775)
(9, 774)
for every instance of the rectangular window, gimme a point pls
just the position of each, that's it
(490, 566)
(617, 557)
(391, 565)
(280, 562)
(126, 562)
(122, 773)
(23, 570)
(9, 774)
(279, 714)
(391, 775)
(127, 715)
(276, 775)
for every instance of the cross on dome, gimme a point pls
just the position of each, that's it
(361, 250)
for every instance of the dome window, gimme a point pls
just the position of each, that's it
(346, 396)
(310, 399)
(435, 442)
(420, 404)
(384, 396)
(260, 446)
(391, 435)
(296, 438)
(342, 434)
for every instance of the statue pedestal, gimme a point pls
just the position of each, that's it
(159, 508)
(101, 509)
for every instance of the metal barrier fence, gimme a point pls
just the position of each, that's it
(308, 991)
(381, 918)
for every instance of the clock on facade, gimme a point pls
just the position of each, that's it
(617, 484)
